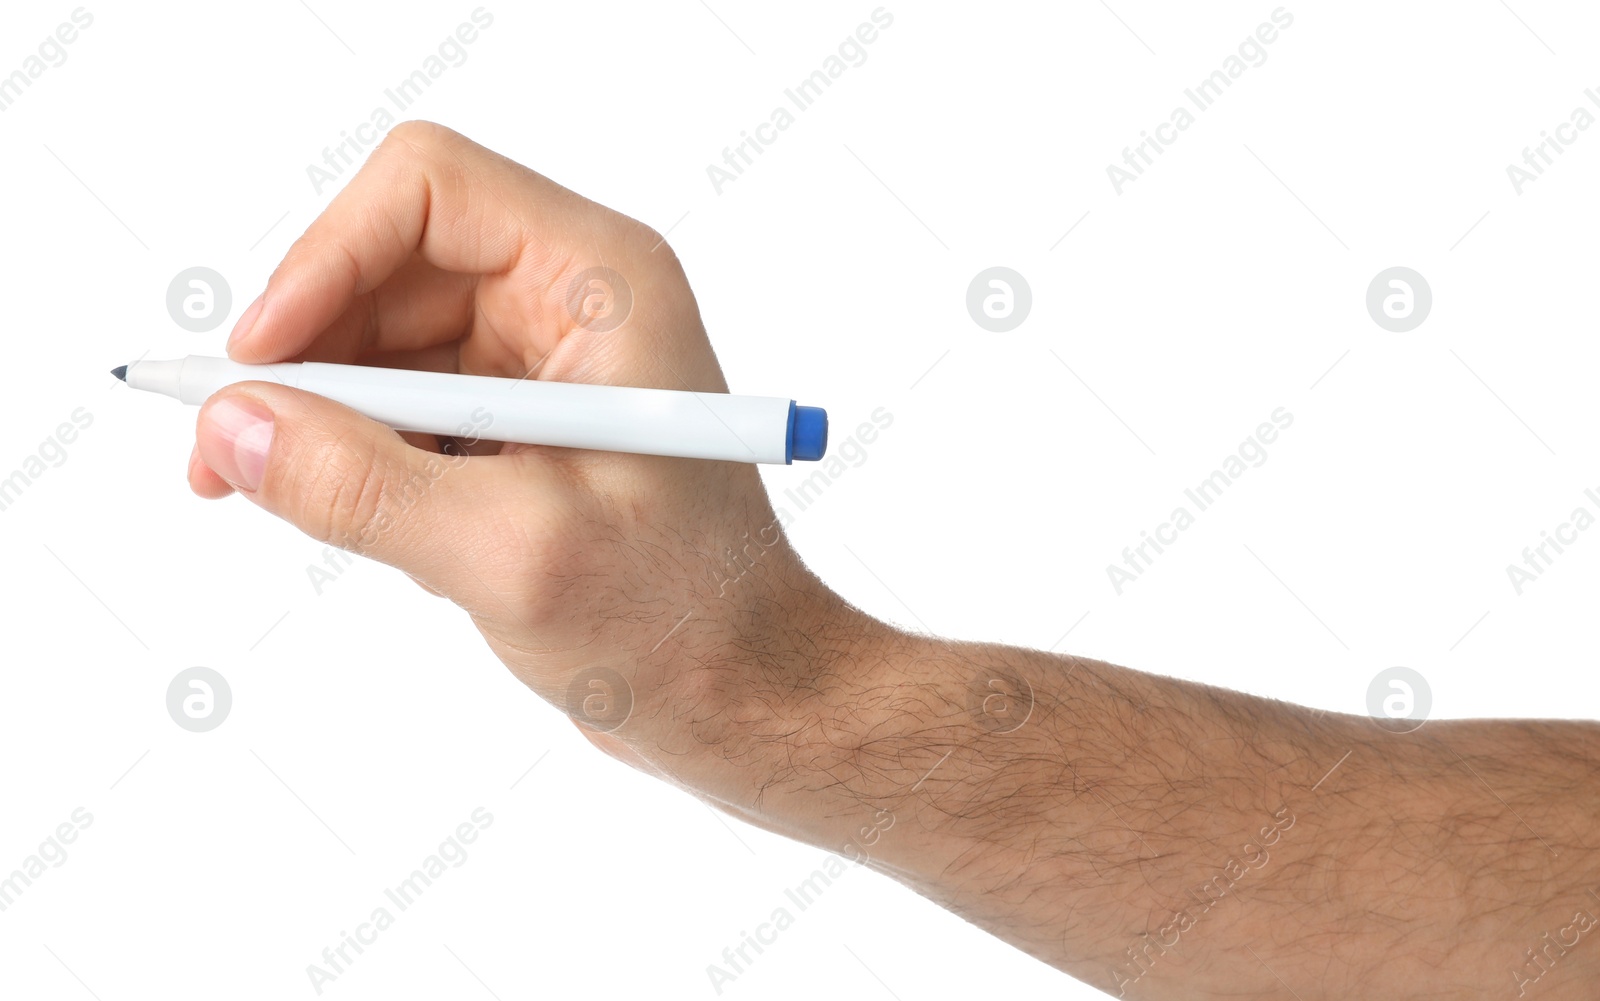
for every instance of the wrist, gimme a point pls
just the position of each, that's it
(855, 736)
(779, 695)
(739, 695)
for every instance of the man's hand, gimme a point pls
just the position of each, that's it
(1155, 838)
(601, 579)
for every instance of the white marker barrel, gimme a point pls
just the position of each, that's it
(574, 415)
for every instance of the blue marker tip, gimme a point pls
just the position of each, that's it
(808, 433)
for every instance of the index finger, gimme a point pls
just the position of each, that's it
(426, 191)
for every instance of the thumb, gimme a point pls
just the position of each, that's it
(344, 479)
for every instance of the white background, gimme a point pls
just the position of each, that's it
(1228, 281)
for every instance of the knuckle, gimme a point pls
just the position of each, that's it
(650, 238)
(421, 132)
(418, 139)
(650, 243)
(318, 252)
(345, 498)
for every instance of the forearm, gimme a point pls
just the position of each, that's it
(1158, 838)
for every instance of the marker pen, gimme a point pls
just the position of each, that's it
(573, 415)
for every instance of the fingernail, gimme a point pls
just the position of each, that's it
(247, 322)
(233, 437)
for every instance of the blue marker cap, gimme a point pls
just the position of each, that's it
(808, 433)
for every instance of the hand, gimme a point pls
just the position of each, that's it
(601, 579)
(1094, 816)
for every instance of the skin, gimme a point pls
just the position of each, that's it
(1152, 837)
